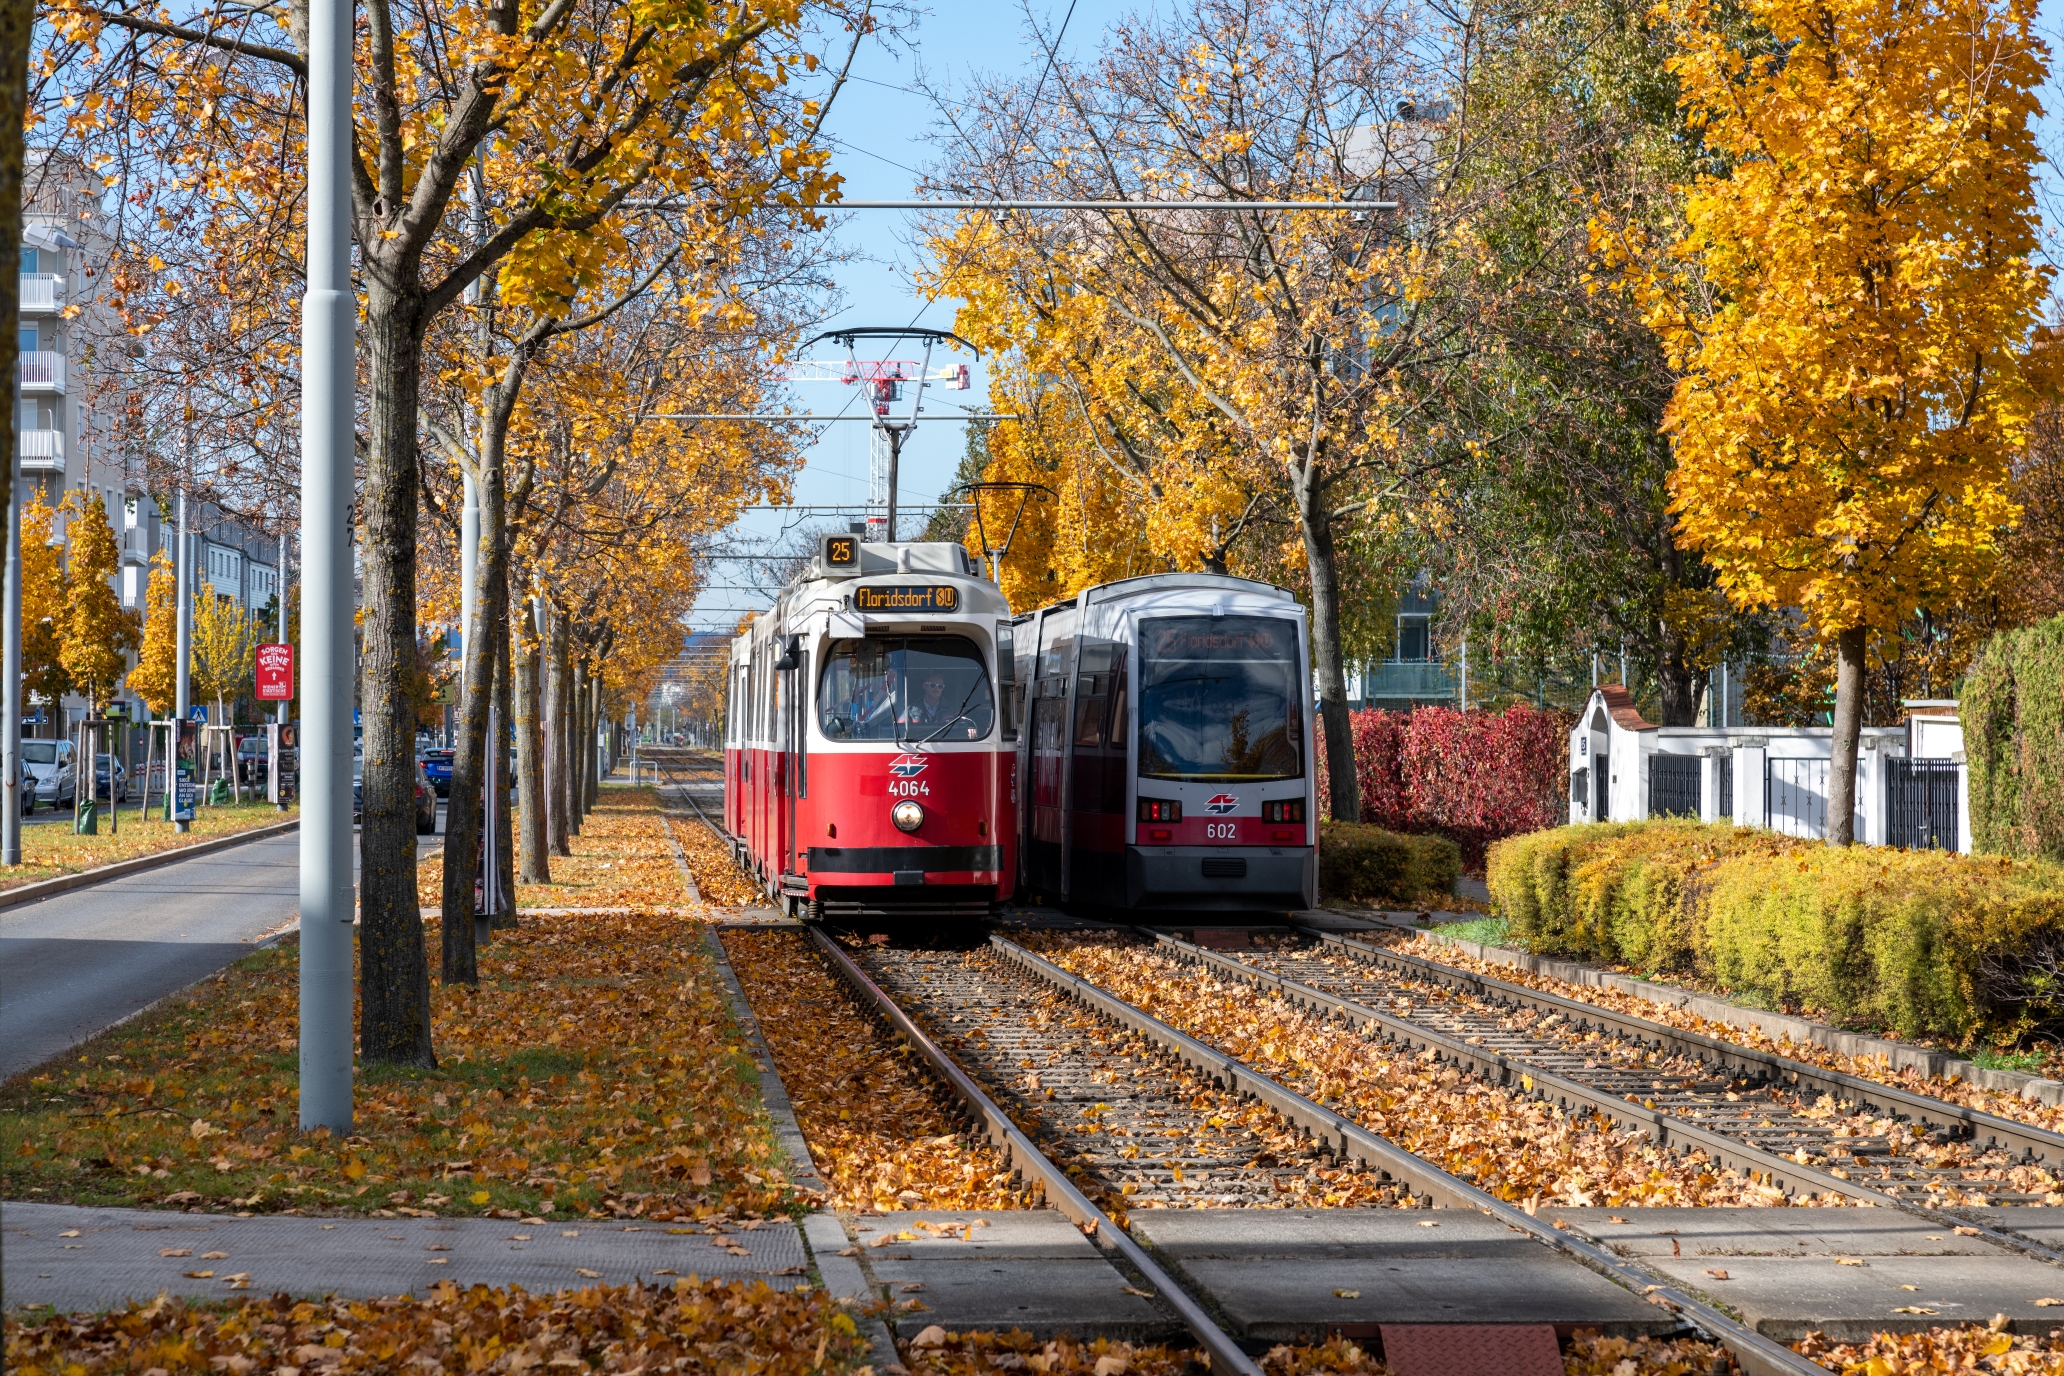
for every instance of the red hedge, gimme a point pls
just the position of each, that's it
(1473, 776)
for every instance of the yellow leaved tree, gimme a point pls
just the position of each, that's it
(225, 650)
(156, 675)
(1852, 308)
(46, 588)
(96, 632)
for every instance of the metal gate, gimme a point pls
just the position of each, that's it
(1726, 803)
(1795, 797)
(1921, 804)
(1673, 785)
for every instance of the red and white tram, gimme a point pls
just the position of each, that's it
(869, 754)
(1167, 746)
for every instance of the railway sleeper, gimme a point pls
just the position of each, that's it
(1673, 1131)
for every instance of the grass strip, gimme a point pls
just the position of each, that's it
(692, 1325)
(1520, 1149)
(878, 1126)
(50, 849)
(595, 1071)
(620, 860)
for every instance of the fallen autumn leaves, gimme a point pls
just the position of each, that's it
(620, 859)
(717, 878)
(1877, 1068)
(594, 1070)
(689, 1326)
(1516, 1148)
(1970, 1348)
(874, 1121)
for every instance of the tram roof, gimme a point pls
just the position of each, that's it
(1121, 588)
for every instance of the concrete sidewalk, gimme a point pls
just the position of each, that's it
(87, 1259)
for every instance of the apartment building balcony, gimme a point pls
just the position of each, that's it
(42, 451)
(42, 293)
(42, 372)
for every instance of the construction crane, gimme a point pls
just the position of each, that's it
(886, 380)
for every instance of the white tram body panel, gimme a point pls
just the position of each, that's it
(869, 762)
(1166, 746)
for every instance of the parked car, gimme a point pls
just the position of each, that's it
(28, 789)
(438, 765)
(426, 799)
(52, 764)
(252, 760)
(100, 780)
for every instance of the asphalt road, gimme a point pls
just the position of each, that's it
(73, 964)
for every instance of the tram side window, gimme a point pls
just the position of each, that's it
(915, 688)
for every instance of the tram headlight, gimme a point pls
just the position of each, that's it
(907, 815)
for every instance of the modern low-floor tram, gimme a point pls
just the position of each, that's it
(1166, 746)
(868, 758)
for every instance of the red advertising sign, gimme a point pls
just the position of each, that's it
(275, 673)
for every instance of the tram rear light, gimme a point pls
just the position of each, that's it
(1283, 835)
(1159, 810)
(1283, 810)
(1160, 834)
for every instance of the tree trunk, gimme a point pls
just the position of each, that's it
(462, 840)
(557, 698)
(1677, 683)
(394, 968)
(586, 742)
(505, 835)
(530, 762)
(1841, 802)
(1338, 730)
(576, 747)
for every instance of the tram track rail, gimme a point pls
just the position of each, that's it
(1693, 1098)
(875, 978)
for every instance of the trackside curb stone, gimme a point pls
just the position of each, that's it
(823, 1234)
(65, 883)
(1783, 1026)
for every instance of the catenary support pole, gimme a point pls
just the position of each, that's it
(329, 314)
(182, 672)
(469, 563)
(284, 584)
(11, 799)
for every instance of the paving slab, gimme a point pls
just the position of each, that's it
(2042, 1225)
(1028, 1269)
(1284, 1275)
(116, 1254)
(1773, 1232)
(1847, 1273)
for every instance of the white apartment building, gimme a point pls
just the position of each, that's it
(71, 362)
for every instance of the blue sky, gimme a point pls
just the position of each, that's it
(880, 125)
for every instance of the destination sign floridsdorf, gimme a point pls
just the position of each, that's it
(931, 598)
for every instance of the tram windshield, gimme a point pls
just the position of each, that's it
(1218, 699)
(906, 688)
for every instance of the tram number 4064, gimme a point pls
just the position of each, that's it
(1218, 831)
(909, 788)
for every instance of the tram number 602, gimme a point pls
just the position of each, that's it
(909, 788)
(1218, 831)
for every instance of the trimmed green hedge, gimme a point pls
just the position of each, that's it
(2013, 714)
(1924, 942)
(1365, 864)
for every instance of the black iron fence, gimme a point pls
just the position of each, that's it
(1921, 804)
(1673, 785)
